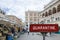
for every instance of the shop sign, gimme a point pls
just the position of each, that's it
(44, 28)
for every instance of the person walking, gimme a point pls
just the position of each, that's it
(28, 32)
(13, 31)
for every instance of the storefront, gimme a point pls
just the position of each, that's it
(5, 28)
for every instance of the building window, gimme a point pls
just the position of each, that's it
(42, 22)
(52, 18)
(30, 14)
(26, 19)
(50, 12)
(48, 21)
(46, 14)
(58, 8)
(54, 10)
(56, 19)
(30, 19)
(43, 15)
(35, 19)
(34, 14)
(26, 14)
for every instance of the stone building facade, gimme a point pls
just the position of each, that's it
(50, 14)
(31, 17)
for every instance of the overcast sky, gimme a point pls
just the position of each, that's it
(18, 7)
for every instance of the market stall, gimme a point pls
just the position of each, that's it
(4, 29)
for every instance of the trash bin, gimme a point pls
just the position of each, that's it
(9, 37)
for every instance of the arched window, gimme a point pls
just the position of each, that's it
(46, 14)
(43, 15)
(54, 10)
(50, 12)
(58, 8)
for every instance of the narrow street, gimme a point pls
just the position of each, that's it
(30, 37)
(38, 37)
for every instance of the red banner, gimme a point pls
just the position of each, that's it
(44, 28)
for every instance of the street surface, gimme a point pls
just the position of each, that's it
(35, 36)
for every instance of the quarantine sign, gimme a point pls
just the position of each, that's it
(44, 28)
